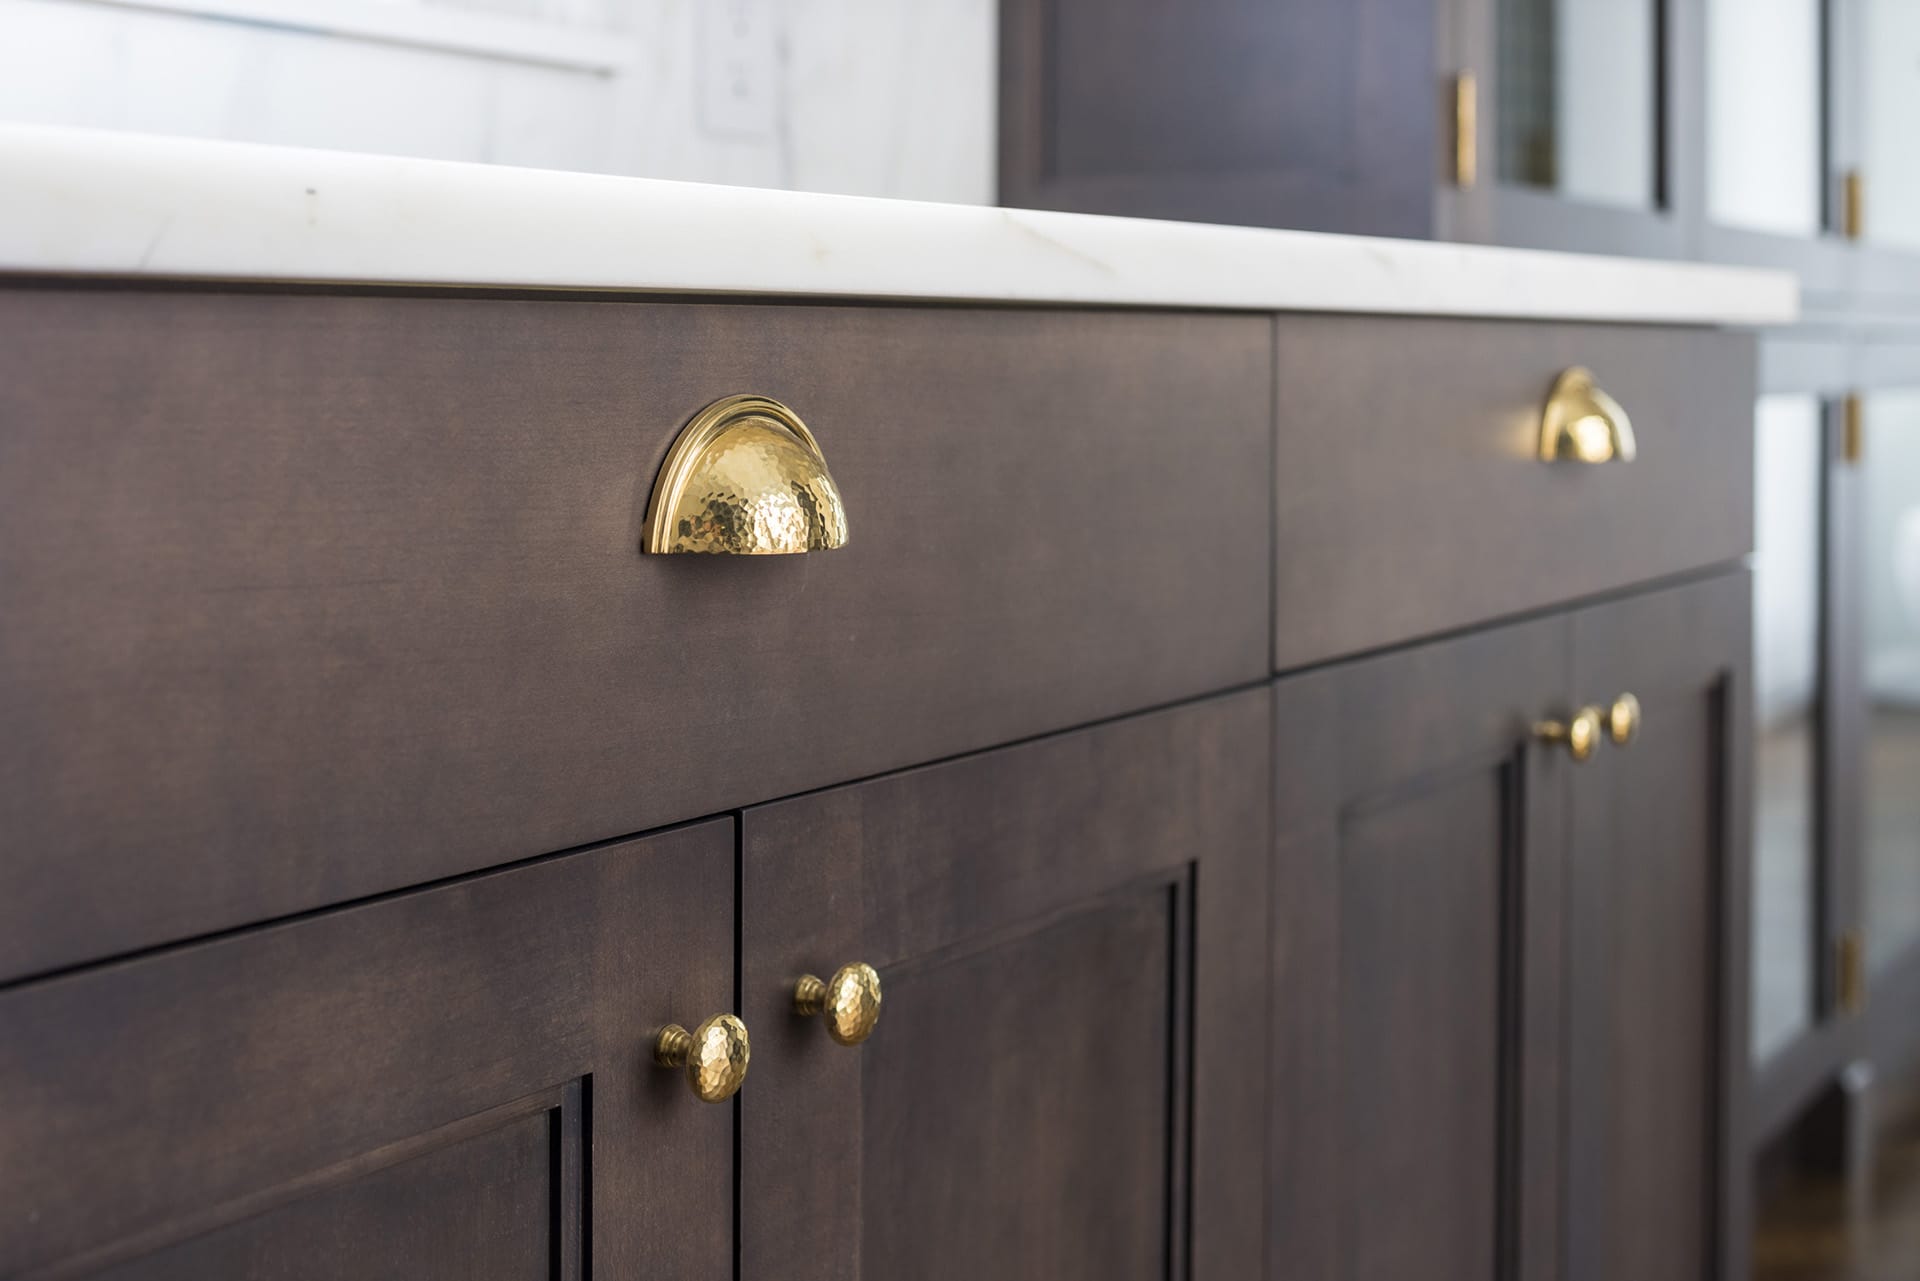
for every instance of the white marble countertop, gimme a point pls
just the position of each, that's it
(88, 203)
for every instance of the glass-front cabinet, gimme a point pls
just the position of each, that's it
(1765, 115)
(1889, 629)
(1575, 140)
(1890, 114)
(1788, 587)
(1563, 128)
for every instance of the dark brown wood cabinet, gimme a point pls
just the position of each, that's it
(1233, 917)
(424, 1086)
(1068, 1073)
(1505, 1039)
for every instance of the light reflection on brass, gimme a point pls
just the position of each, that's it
(849, 1001)
(1581, 734)
(1623, 719)
(745, 478)
(715, 1055)
(1581, 423)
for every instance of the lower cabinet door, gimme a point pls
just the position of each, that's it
(1417, 889)
(1066, 1076)
(422, 1086)
(1657, 938)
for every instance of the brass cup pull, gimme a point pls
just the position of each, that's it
(714, 1054)
(1581, 734)
(745, 478)
(849, 1002)
(1583, 424)
(1623, 719)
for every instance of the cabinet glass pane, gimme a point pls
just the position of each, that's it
(1890, 480)
(1786, 684)
(1890, 162)
(1578, 105)
(1764, 87)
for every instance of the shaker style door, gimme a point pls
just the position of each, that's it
(1010, 1012)
(1657, 1037)
(418, 1087)
(1418, 878)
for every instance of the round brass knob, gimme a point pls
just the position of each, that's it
(1623, 719)
(714, 1054)
(849, 1001)
(1581, 734)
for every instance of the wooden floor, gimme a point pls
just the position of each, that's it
(1808, 1233)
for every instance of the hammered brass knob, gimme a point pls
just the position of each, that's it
(1581, 734)
(849, 1001)
(1623, 719)
(714, 1054)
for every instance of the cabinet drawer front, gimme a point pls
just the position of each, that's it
(1069, 1058)
(1411, 498)
(313, 597)
(407, 1078)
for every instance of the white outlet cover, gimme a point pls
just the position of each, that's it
(738, 47)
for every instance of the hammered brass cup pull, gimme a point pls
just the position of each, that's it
(1583, 424)
(745, 478)
(714, 1054)
(1581, 734)
(849, 1002)
(1623, 719)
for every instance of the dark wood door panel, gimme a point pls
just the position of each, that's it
(308, 1077)
(1016, 1117)
(482, 1207)
(1316, 114)
(1416, 937)
(1423, 883)
(1072, 937)
(1657, 1051)
(310, 598)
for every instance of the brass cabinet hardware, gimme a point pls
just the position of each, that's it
(1623, 719)
(849, 1001)
(1583, 423)
(745, 478)
(1852, 428)
(1853, 197)
(1850, 972)
(1581, 734)
(1466, 124)
(714, 1054)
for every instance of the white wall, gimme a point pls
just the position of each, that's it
(870, 97)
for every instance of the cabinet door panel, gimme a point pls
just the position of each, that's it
(395, 1089)
(1657, 1033)
(1071, 936)
(481, 1207)
(1416, 934)
(1025, 1082)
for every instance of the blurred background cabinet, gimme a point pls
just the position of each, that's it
(1316, 114)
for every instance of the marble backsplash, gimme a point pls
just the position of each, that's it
(867, 97)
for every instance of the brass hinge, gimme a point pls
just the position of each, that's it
(1466, 125)
(1852, 198)
(1852, 429)
(1850, 973)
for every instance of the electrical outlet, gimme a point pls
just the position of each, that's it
(739, 67)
